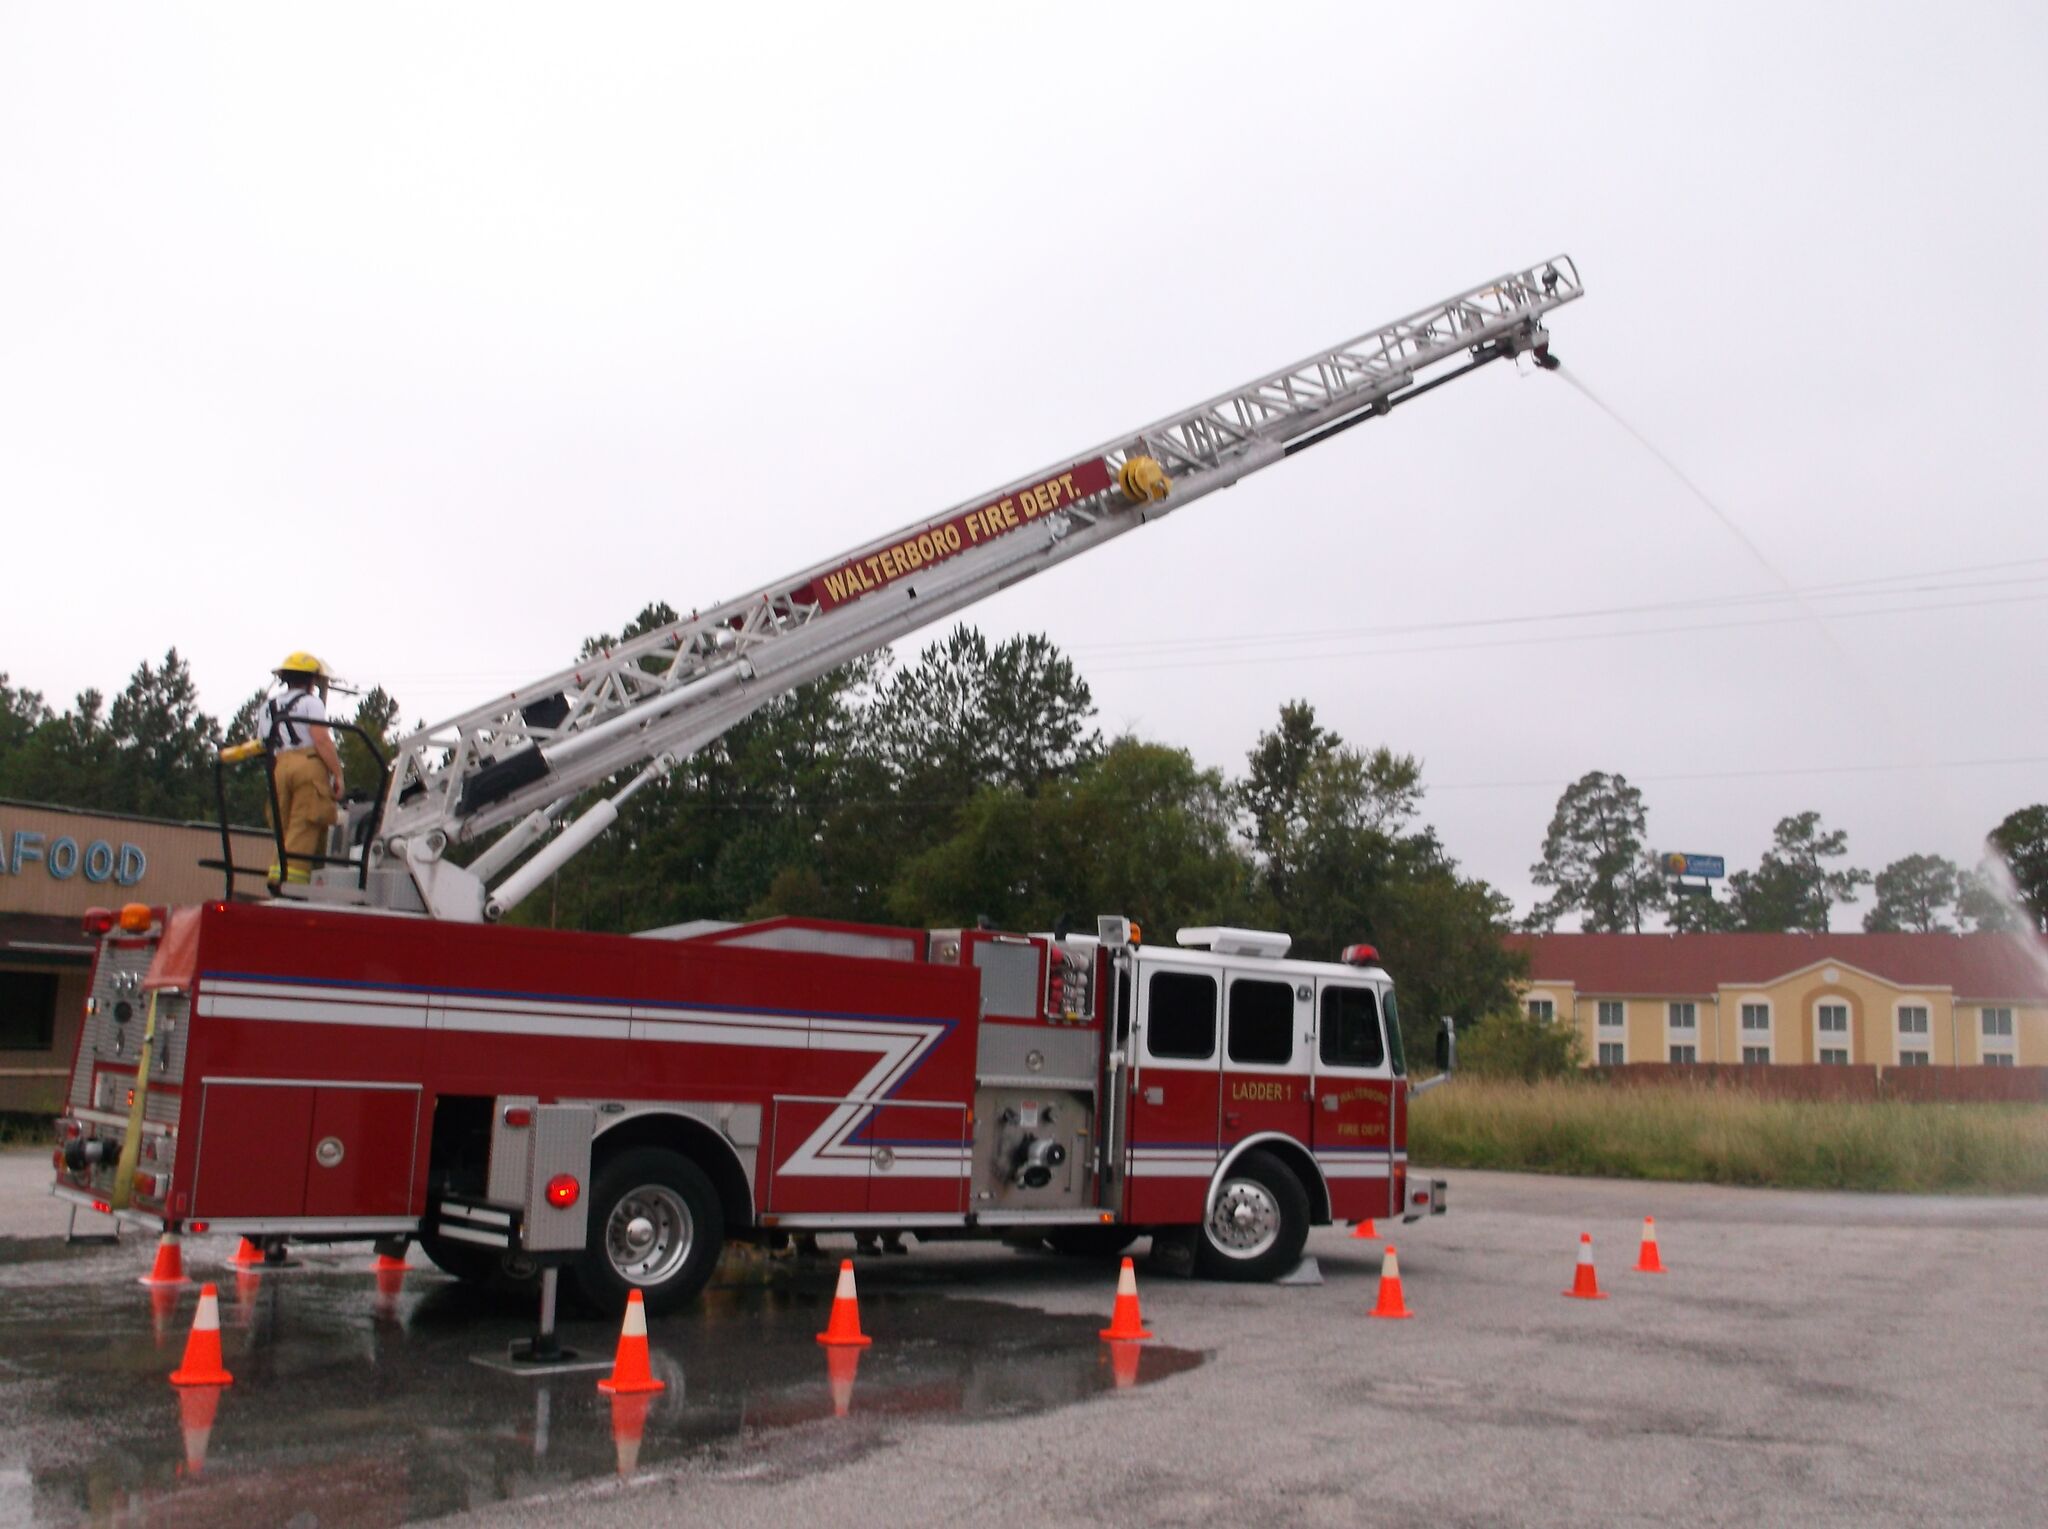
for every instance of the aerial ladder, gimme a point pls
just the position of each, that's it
(515, 766)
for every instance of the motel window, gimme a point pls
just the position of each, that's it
(1756, 1056)
(1351, 1028)
(1998, 1022)
(1611, 1015)
(1998, 1059)
(1612, 1054)
(1685, 1016)
(1834, 1018)
(1262, 1023)
(28, 1011)
(1180, 1021)
(1542, 1010)
(1913, 1020)
(1912, 1059)
(1685, 1053)
(1756, 1016)
(1833, 1056)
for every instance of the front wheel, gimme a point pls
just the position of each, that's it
(655, 1226)
(1258, 1224)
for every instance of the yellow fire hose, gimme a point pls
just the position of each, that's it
(131, 1147)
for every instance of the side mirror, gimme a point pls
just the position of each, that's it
(1447, 1046)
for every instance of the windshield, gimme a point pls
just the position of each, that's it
(1395, 1052)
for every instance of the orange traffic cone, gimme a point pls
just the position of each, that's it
(630, 1374)
(843, 1328)
(842, 1364)
(202, 1366)
(1585, 1284)
(169, 1268)
(1125, 1325)
(1392, 1305)
(629, 1425)
(1648, 1261)
(196, 1408)
(1365, 1231)
(247, 1256)
(1123, 1363)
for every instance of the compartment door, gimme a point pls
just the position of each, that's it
(361, 1159)
(255, 1140)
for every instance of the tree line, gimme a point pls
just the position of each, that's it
(1599, 867)
(969, 783)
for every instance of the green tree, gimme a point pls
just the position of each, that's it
(966, 715)
(1912, 895)
(2021, 842)
(1140, 831)
(1272, 791)
(164, 745)
(1594, 855)
(1701, 913)
(1510, 1044)
(1791, 888)
(1440, 935)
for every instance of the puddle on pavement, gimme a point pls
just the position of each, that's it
(358, 1404)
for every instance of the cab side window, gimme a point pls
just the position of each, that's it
(1262, 1023)
(1180, 1016)
(1351, 1028)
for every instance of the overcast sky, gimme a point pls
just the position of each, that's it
(435, 338)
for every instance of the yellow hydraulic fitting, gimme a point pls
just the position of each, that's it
(1144, 481)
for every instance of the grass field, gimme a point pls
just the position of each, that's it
(1725, 1136)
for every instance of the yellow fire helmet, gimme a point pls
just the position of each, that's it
(303, 663)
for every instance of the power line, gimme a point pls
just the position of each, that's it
(1545, 639)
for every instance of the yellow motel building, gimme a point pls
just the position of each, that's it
(1895, 1000)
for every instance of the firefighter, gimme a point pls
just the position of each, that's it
(306, 768)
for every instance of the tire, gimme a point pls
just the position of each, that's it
(656, 1226)
(1090, 1241)
(1258, 1224)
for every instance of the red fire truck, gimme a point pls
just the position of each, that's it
(372, 1054)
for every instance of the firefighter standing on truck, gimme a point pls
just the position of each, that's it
(292, 726)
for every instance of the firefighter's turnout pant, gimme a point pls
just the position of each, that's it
(306, 802)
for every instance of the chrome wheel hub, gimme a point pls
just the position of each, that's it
(649, 1235)
(1245, 1221)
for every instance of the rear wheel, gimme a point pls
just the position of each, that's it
(655, 1226)
(1258, 1224)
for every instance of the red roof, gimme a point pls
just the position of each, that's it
(1971, 965)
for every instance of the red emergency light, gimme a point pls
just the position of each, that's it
(98, 921)
(1361, 955)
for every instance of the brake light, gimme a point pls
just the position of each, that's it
(136, 918)
(98, 920)
(518, 1117)
(196, 1228)
(563, 1190)
(102, 1207)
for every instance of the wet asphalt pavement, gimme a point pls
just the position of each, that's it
(1809, 1358)
(356, 1401)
